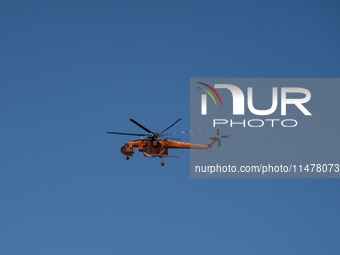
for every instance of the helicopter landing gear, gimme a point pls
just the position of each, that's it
(162, 163)
(127, 158)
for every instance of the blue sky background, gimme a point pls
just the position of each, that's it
(72, 70)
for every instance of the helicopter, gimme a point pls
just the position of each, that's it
(156, 145)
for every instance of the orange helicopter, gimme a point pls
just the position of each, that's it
(156, 145)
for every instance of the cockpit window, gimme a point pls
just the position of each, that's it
(126, 145)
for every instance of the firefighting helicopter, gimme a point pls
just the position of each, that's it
(156, 145)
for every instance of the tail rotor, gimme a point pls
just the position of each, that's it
(218, 137)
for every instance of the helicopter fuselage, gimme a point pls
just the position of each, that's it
(159, 148)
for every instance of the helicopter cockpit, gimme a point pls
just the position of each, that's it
(125, 146)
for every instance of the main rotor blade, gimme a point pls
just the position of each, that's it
(225, 136)
(172, 138)
(116, 133)
(219, 143)
(170, 126)
(147, 130)
(185, 131)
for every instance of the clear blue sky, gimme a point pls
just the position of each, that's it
(72, 70)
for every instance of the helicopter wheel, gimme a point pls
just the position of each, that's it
(127, 158)
(162, 163)
(160, 156)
